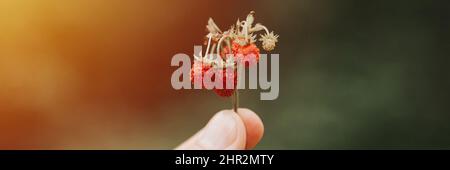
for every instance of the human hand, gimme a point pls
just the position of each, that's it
(227, 130)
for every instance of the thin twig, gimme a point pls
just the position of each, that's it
(235, 100)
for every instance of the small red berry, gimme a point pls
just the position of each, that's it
(248, 53)
(224, 92)
(230, 75)
(198, 71)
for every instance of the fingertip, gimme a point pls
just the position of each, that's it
(228, 130)
(225, 130)
(254, 126)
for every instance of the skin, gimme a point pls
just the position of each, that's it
(227, 130)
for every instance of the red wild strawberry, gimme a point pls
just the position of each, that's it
(248, 53)
(198, 71)
(230, 75)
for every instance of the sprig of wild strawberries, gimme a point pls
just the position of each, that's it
(239, 42)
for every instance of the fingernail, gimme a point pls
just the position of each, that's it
(220, 132)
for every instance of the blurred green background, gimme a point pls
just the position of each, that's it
(354, 75)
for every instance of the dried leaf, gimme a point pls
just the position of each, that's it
(257, 27)
(212, 27)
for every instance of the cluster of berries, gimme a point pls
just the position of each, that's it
(239, 48)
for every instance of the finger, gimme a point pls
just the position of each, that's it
(254, 127)
(225, 130)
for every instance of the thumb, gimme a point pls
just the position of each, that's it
(225, 130)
